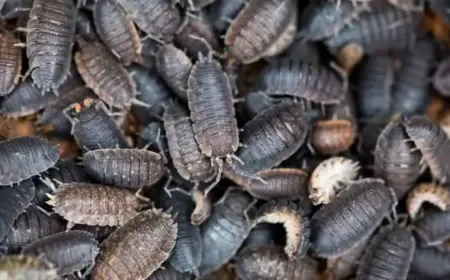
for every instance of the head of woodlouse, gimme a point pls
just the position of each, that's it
(76, 108)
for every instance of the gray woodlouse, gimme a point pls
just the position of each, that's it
(269, 262)
(19, 267)
(211, 106)
(25, 157)
(104, 74)
(271, 137)
(117, 30)
(187, 254)
(186, 155)
(91, 204)
(330, 137)
(388, 256)
(128, 168)
(93, 127)
(433, 143)
(14, 201)
(50, 38)
(249, 37)
(69, 251)
(397, 31)
(433, 228)
(159, 19)
(353, 215)
(11, 62)
(437, 195)
(295, 222)
(138, 248)
(330, 177)
(431, 262)
(292, 77)
(174, 66)
(225, 231)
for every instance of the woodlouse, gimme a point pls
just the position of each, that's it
(331, 137)
(18, 267)
(292, 77)
(104, 74)
(388, 256)
(25, 157)
(427, 192)
(117, 30)
(360, 207)
(29, 226)
(50, 38)
(295, 222)
(159, 19)
(330, 177)
(433, 228)
(249, 37)
(11, 62)
(396, 161)
(136, 249)
(433, 143)
(91, 204)
(257, 263)
(186, 155)
(211, 106)
(128, 168)
(93, 126)
(69, 251)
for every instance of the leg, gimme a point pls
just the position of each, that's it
(169, 180)
(218, 175)
(208, 45)
(249, 207)
(140, 196)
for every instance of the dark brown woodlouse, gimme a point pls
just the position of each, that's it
(211, 106)
(31, 225)
(292, 77)
(295, 222)
(105, 75)
(10, 61)
(159, 19)
(69, 251)
(136, 249)
(361, 208)
(117, 31)
(330, 137)
(128, 168)
(93, 126)
(25, 157)
(396, 161)
(94, 205)
(257, 263)
(249, 37)
(50, 38)
(18, 267)
(434, 144)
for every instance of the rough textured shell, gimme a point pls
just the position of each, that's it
(225, 231)
(19, 267)
(69, 251)
(187, 157)
(159, 19)
(31, 225)
(293, 77)
(433, 228)
(138, 248)
(128, 168)
(295, 222)
(14, 201)
(271, 137)
(105, 75)
(25, 157)
(250, 35)
(395, 162)
(269, 262)
(117, 30)
(330, 137)
(50, 36)
(354, 214)
(433, 143)
(389, 255)
(93, 205)
(212, 111)
(10, 61)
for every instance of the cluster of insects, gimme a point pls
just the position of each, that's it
(224, 139)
